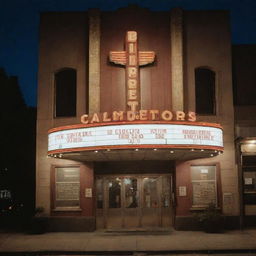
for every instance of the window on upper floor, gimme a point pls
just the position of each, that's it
(65, 93)
(205, 91)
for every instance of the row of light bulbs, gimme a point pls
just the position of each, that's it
(155, 149)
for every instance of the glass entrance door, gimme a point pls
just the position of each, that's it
(151, 201)
(133, 201)
(131, 210)
(113, 203)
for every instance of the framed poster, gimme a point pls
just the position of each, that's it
(204, 185)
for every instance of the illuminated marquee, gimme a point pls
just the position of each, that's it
(135, 127)
(135, 135)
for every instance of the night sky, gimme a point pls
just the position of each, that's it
(19, 22)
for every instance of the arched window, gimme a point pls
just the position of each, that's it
(65, 93)
(205, 91)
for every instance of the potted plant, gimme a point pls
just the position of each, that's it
(211, 220)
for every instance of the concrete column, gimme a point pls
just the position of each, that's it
(94, 61)
(177, 59)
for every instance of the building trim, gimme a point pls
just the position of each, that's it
(69, 127)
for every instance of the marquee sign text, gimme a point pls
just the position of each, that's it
(166, 135)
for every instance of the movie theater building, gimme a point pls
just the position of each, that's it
(135, 121)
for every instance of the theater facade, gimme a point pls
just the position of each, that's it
(135, 125)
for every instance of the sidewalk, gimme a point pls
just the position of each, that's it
(122, 242)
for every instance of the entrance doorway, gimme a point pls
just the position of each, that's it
(134, 201)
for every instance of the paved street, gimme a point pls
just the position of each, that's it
(190, 254)
(141, 254)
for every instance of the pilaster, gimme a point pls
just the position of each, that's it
(177, 59)
(94, 61)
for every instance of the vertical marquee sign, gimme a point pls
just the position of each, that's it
(131, 58)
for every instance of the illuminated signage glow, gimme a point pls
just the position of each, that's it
(131, 58)
(135, 135)
(135, 127)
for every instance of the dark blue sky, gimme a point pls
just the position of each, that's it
(19, 21)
